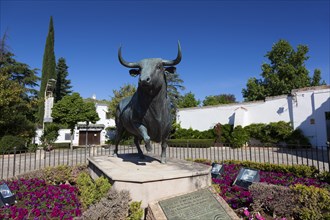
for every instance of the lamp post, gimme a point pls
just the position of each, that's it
(49, 101)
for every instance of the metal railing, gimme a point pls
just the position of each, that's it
(19, 162)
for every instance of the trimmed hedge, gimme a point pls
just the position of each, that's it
(298, 170)
(191, 143)
(8, 142)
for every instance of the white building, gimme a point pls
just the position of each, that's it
(93, 134)
(307, 109)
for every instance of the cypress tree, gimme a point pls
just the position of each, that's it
(63, 85)
(48, 68)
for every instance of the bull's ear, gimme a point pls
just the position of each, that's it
(134, 72)
(170, 69)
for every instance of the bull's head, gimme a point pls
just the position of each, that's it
(151, 71)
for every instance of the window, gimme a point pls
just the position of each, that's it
(67, 136)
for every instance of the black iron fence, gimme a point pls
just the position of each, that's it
(14, 163)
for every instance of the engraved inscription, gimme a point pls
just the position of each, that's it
(197, 205)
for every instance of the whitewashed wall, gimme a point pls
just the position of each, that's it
(305, 109)
(101, 110)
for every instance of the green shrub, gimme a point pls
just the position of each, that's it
(256, 131)
(89, 191)
(32, 148)
(61, 145)
(239, 137)
(8, 142)
(313, 202)
(102, 187)
(324, 176)
(135, 211)
(298, 170)
(297, 139)
(227, 129)
(182, 133)
(58, 175)
(191, 143)
(278, 131)
(51, 132)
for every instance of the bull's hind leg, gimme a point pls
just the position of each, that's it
(137, 144)
(119, 134)
(163, 154)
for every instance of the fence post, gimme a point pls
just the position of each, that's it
(14, 163)
(328, 154)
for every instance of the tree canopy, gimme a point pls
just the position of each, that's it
(63, 85)
(18, 97)
(72, 109)
(188, 100)
(285, 71)
(174, 85)
(48, 67)
(219, 99)
(124, 91)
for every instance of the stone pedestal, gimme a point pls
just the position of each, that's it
(147, 179)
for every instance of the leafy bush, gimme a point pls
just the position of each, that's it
(8, 142)
(58, 175)
(32, 148)
(313, 202)
(298, 170)
(191, 143)
(89, 191)
(277, 200)
(50, 134)
(239, 137)
(114, 205)
(297, 138)
(135, 211)
(278, 131)
(102, 185)
(256, 131)
(227, 129)
(61, 145)
(182, 133)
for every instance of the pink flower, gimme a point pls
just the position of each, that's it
(246, 212)
(259, 217)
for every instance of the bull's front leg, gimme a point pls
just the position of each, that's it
(144, 134)
(163, 154)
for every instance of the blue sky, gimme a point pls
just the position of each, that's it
(223, 42)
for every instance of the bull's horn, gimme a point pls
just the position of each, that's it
(124, 63)
(177, 59)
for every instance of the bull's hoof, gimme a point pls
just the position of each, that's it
(114, 155)
(163, 160)
(148, 147)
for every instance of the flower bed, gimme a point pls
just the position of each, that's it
(239, 198)
(38, 200)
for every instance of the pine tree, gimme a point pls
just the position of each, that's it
(48, 67)
(63, 85)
